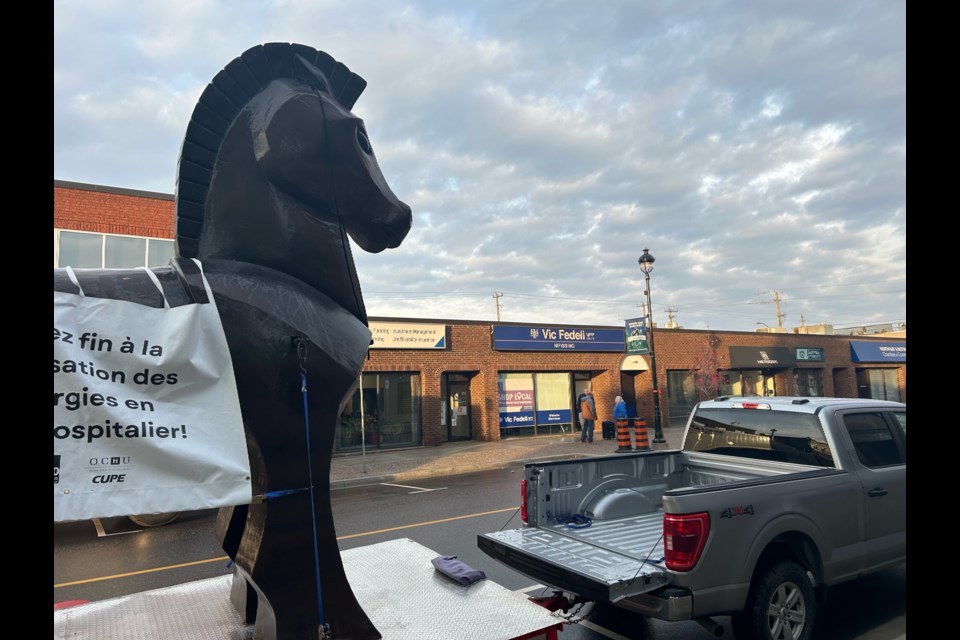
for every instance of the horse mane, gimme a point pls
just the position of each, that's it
(232, 88)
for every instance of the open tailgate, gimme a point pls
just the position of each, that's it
(605, 562)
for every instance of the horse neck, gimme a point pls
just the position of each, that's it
(250, 220)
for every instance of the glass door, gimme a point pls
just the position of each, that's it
(757, 382)
(458, 408)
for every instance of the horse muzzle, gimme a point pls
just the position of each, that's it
(384, 227)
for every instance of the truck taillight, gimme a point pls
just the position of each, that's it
(750, 405)
(523, 501)
(684, 537)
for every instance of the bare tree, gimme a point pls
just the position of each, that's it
(706, 370)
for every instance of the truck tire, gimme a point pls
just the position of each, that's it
(782, 605)
(154, 519)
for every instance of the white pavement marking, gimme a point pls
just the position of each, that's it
(530, 588)
(415, 489)
(101, 532)
(604, 632)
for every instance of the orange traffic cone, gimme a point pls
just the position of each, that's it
(623, 436)
(640, 433)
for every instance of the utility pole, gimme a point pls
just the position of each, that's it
(776, 300)
(780, 316)
(671, 323)
(496, 297)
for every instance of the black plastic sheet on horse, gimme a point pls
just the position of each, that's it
(146, 416)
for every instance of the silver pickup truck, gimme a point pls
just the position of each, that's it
(768, 502)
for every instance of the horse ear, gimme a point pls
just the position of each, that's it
(330, 76)
(304, 71)
(347, 86)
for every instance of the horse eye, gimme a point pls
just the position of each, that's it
(364, 141)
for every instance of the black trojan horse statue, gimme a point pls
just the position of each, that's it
(275, 172)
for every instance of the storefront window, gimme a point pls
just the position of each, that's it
(534, 404)
(383, 413)
(747, 382)
(681, 397)
(730, 383)
(553, 403)
(516, 404)
(879, 384)
(809, 382)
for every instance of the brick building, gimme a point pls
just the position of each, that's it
(427, 381)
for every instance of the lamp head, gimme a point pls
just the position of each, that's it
(646, 262)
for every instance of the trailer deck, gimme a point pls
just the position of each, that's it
(394, 581)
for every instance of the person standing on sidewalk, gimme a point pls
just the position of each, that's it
(583, 394)
(588, 410)
(619, 409)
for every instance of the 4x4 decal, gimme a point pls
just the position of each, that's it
(730, 512)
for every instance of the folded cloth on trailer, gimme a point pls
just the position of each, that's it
(456, 569)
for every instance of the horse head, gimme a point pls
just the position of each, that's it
(276, 171)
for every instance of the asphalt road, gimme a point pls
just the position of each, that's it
(106, 559)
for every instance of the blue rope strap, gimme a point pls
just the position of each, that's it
(301, 352)
(575, 521)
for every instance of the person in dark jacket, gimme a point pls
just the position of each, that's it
(588, 410)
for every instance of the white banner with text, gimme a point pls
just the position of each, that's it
(146, 417)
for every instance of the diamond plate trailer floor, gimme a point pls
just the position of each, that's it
(394, 581)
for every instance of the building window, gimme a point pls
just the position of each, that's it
(878, 384)
(83, 250)
(747, 382)
(730, 383)
(553, 403)
(124, 252)
(159, 252)
(681, 397)
(79, 250)
(809, 382)
(384, 412)
(534, 404)
(516, 404)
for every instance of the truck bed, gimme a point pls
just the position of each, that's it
(608, 560)
(621, 553)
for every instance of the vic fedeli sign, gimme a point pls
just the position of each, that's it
(551, 338)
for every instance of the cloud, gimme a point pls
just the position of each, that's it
(752, 147)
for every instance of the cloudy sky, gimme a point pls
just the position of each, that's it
(757, 149)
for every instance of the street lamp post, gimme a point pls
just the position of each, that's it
(646, 265)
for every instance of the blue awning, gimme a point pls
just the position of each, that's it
(863, 351)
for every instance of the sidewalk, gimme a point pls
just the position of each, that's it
(451, 458)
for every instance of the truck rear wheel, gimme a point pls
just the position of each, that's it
(781, 606)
